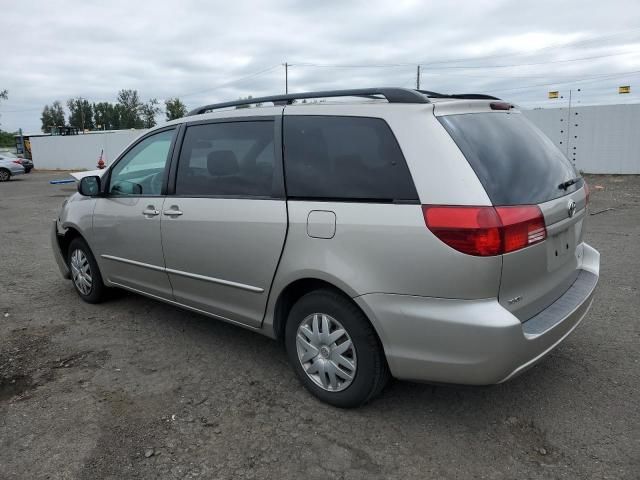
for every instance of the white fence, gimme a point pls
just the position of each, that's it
(598, 139)
(79, 152)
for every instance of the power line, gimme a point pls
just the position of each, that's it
(460, 67)
(231, 82)
(578, 80)
(473, 59)
(538, 50)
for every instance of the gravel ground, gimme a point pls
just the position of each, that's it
(137, 389)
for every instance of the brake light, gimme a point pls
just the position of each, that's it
(486, 231)
(17, 161)
(500, 106)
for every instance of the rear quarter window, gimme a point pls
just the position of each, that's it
(516, 163)
(344, 158)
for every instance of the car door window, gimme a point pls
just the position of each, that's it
(344, 158)
(235, 159)
(141, 170)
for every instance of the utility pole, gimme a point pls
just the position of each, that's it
(418, 78)
(286, 78)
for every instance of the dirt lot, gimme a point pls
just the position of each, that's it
(137, 389)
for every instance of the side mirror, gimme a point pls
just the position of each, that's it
(89, 186)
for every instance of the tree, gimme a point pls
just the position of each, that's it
(4, 94)
(52, 116)
(130, 108)
(80, 113)
(57, 113)
(175, 108)
(106, 116)
(7, 139)
(149, 111)
(46, 119)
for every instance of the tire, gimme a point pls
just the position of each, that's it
(5, 175)
(80, 258)
(318, 374)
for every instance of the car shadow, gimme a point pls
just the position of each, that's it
(403, 397)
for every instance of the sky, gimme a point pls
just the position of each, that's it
(209, 51)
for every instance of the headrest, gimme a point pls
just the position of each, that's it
(222, 162)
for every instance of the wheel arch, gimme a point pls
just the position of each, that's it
(294, 290)
(64, 240)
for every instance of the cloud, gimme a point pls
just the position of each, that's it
(197, 49)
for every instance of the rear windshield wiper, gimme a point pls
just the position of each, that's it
(568, 183)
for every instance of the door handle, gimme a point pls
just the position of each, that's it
(173, 211)
(150, 211)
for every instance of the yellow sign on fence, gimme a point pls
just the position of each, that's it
(553, 94)
(624, 89)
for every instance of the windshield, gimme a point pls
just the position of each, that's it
(516, 163)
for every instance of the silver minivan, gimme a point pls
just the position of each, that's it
(390, 232)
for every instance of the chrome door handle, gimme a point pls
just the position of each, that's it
(172, 212)
(150, 212)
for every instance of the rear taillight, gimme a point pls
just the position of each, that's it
(486, 231)
(17, 161)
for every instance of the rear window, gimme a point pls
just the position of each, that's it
(344, 158)
(515, 162)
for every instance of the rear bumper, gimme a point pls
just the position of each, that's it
(475, 342)
(57, 253)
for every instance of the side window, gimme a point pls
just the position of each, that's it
(227, 159)
(140, 171)
(350, 158)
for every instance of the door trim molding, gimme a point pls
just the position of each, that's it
(195, 276)
(133, 262)
(220, 281)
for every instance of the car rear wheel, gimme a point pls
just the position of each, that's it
(85, 273)
(5, 175)
(334, 350)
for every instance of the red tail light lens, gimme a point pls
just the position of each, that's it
(17, 161)
(486, 231)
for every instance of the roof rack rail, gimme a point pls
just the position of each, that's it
(459, 96)
(393, 95)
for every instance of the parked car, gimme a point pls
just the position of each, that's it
(25, 162)
(428, 237)
(9, 167)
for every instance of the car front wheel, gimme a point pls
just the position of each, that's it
(5, 175)
(334, 350)
(85, 273)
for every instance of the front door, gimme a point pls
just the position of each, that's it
(126, 221)
(224, 227)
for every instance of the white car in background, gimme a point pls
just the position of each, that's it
(9, 167)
